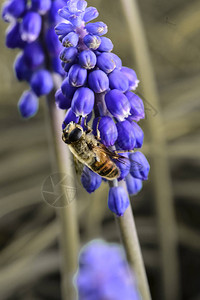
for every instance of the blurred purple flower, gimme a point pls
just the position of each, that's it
(104, 273)
(32, 30)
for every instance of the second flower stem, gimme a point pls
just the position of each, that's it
(67, 215)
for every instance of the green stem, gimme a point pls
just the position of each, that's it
(129, 237)
(67, 216)
(160, 169)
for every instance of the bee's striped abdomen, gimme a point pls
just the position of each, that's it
(106, 168)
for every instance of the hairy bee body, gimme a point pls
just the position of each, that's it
(89, 151)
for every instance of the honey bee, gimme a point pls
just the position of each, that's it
(90, 151)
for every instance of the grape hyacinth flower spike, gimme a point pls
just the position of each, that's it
(61, 37)
(95, 81)
(32, 31)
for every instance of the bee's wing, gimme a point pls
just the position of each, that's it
(122, 159)
(111, 154)
(135, 166)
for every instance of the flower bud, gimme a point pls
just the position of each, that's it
(132, 77)
(28, 104)
(92, 41)
(67, 90)
(70, 40)
(97, 28)
(108, 130)
(126, 137)
(134, 185)
(98, 81)
(106, 44)
(64, 29)
(34, 55)
(69, 117)
(5, 14)
(91, 181)
(61, 101)
(13, 37)
(87, 59)
(139, 165)
(74, 18)
(90, 14)
(41, 6)
(31, 26)
(64, 12)
(22, 71)
(13, 9)
(118, 81)
(61, 37)
(76, 6)
(56, 66)
(68, 55)
(117, 60)
(106, 62)
(66, 66)
(83, 101)
(139, 135)
(77, 75)
(41, 82)
(124, 166)
(118, 200)
(97, 53)
(117, 104)
(137, 107)
(53, 45)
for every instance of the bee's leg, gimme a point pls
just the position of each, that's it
(97, 129)
(80, 119)
(123, 151)
(88, 128)
(64, 124)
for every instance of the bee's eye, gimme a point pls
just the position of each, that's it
(75, 135)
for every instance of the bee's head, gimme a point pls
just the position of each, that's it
(72, 133)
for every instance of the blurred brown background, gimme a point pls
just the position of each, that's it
(28, 228)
